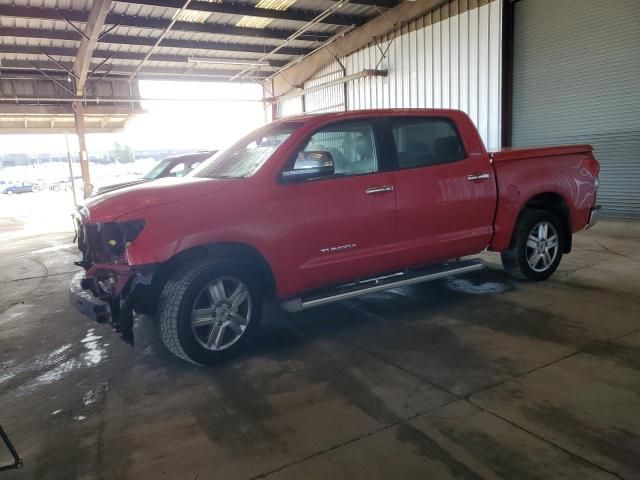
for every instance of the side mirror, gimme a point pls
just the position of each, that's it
(310, 166)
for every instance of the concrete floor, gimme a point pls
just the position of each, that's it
(475, 377)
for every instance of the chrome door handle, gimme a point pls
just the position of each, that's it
(478, 176)
(384, 188)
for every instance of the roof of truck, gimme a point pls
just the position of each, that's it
(371, 113)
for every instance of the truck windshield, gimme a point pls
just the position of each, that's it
(158, 169)
(245, 157)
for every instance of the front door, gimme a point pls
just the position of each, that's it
(340, 227)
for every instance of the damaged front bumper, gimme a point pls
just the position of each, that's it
(86, 303)
(104, 294)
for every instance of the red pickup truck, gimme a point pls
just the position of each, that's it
(315, 209)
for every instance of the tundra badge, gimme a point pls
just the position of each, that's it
(339, 248)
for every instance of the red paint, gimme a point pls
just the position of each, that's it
(570, 173)
(434, 213)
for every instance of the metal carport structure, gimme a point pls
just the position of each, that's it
(70, 65)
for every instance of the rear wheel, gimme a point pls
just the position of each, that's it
(536, 247)
(208, 312)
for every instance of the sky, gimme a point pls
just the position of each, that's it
(198, 125)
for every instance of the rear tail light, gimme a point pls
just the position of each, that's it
(593, 166)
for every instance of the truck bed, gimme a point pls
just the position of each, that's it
(519, 153)
(565, 172)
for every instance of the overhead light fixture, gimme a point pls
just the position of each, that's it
(250, 21)
(193, 15)
(253, 22)
(228, 61)
(275, 4)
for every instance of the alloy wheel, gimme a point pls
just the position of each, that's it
(221, 313)
(542, 246)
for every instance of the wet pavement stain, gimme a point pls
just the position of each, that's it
(591, 289)
(464, 285)
(506, 460)
(44, 369)
(620, 445)
(505, 317)
(427, 447)
(53, 367)
(61, 450)
(623, 355)
(435, 353)
(95, 395)
(234, 413)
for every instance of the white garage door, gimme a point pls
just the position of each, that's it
(577, 80)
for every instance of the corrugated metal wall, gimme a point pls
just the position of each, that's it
(450, 58)
(292, 106)
(330, 99)
(577, 80)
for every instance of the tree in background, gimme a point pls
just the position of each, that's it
(121, 153)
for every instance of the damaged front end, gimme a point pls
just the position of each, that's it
(104, 291)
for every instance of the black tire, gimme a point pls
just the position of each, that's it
(178, 300)
(515, 260)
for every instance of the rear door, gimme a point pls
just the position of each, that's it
(341, 227)
(445, 193)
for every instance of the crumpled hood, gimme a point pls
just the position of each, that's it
(110, 206)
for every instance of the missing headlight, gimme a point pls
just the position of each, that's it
(116, 236)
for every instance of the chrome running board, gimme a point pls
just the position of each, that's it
(379, 284)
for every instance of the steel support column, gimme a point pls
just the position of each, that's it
(78, 112)
(70, 161)
(93, 29)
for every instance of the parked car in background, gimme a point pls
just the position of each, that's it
(316, 209)
(20, 187)
(60, 185)
(174, 166)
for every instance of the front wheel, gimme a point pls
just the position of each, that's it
(208, 312)
(536, 247)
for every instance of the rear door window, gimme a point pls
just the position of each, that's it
(420, 142)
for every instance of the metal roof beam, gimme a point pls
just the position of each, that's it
(13, 66)
(250, 10)
(156, 23)
(93, 28)
(146, 41)
(70, 52)
(202, 45)
(37, 13)
(377, 3)
(254, 33)
(159, 39)
(66, 109)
